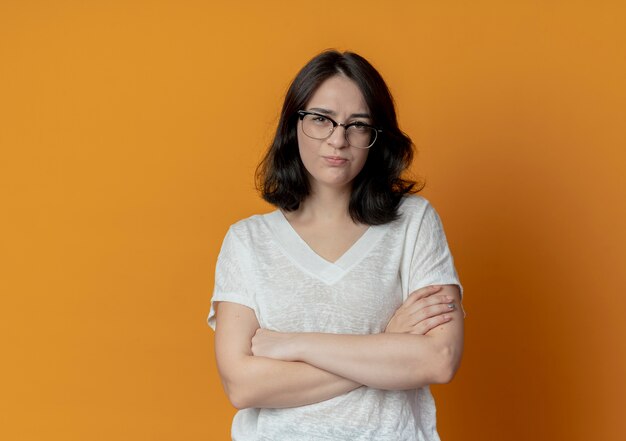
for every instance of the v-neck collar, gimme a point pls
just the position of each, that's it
(303, 255)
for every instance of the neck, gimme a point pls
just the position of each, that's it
(326, 204)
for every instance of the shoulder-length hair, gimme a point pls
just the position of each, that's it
(378, 189)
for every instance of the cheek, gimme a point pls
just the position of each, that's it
(304, 148)
(361, 158)
(306, 151)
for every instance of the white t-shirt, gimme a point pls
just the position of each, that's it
(266, 266)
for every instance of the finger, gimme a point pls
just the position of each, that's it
(422, 293)
(432, 311)
(426, 325)
(429, 301)
(412, 317)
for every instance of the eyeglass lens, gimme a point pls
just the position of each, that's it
(319, 127)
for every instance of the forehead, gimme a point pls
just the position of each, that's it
(339, 94)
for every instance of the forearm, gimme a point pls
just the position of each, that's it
(267, 383)
(383, 361)
(256, 381)
(389, 360)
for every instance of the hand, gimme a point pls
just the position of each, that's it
(272, 344)
(422, 311)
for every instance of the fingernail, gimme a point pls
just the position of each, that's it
(451, 305)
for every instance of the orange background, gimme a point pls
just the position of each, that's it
(129, 133)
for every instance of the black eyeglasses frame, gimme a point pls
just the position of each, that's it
(303, 113)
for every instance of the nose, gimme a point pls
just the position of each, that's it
(338, 138)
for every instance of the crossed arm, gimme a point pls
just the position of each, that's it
(422, 345)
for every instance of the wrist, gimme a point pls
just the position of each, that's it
(295, 344)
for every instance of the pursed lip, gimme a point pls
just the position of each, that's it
(335, 158)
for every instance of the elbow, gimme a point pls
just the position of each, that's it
(238, 401)
(240, 383)
(237, 393)
(448, 362)
(237, 397)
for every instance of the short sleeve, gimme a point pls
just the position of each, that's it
(231, 276)
(432, 262)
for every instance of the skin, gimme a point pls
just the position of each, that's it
(322, 220)
(341, 99)
(267, 381)
(423, 341)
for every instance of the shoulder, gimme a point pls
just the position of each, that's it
(252, 228)
(413, 208)
(413, 202)
(418, 217)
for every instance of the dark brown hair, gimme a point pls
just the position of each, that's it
(378, 189)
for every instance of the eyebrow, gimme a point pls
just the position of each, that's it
(333, 113)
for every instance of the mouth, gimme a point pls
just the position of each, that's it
(335, 160)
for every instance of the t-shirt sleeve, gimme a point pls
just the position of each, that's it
(432, 263)
(231, 276)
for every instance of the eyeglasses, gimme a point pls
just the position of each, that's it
(357, 133)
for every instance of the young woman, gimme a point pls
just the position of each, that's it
(334, 313)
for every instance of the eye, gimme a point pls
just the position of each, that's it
(359, 126)
(320, 120)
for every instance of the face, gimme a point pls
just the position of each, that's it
(332, 161)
